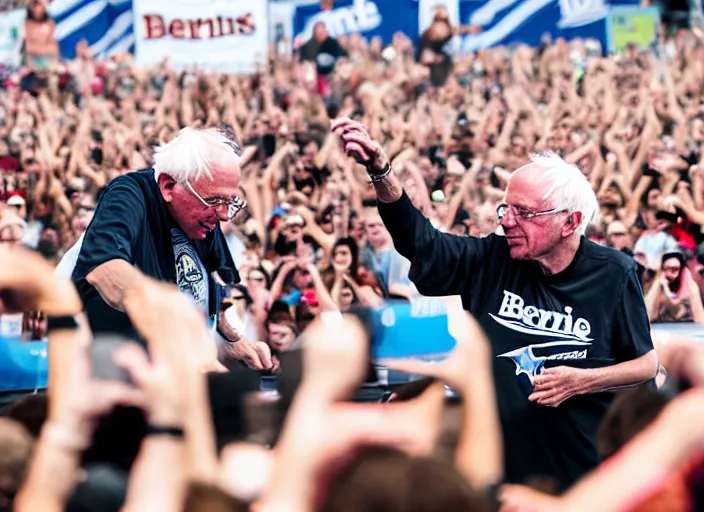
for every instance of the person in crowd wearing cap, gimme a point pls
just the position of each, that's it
(566, 317)
(12, 229)
(674, 295)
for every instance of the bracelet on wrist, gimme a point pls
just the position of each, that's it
(377, 177)
(165, 430)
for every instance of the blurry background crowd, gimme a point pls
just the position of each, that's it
(455, 123)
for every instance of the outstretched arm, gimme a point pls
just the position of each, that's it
(439, 261)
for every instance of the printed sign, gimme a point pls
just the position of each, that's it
(632, 25)
(228, 36)
(506, 22)
(11, 37)
(370, 18)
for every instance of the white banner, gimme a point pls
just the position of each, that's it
(11, 37)
(227, 36)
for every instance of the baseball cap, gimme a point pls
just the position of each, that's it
(16, 200)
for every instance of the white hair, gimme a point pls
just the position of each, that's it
(192, 153)
(567, 188)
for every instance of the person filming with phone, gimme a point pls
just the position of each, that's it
(566, 317)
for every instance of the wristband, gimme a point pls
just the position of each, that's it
(162, 430)
(61, 322)
(376, 178)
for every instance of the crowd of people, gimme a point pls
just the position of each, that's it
(308, 241)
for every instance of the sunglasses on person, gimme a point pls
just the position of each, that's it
(234, 206)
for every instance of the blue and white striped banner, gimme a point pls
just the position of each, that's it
(106, 25)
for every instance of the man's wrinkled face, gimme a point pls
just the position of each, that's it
(532, 238)
(194, 218)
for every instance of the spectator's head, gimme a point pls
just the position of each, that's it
(326, 220)
(12, 229)
(347, 297)
(377, 234)
(293, 227)
(198, 174)
(257, 279)
(19, 205)
(388, 479)
(30, 411)
(630, 412)
(241, 298)
(320, 32)
(617, 235)
(281, 334)
(345, 253)
(547, 204)
(302, 278)
(356, 229)
(36, 11)
(672, 265)
(15, 452)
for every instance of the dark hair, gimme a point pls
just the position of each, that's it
(354, 249)
(203, 497)
(31, 411)
(629, 413)
(383, 478)
(267, 277)
(30, 14)
(16, 446)
(674, 255)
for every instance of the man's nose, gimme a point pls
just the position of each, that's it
(508, 220)
(221, 212)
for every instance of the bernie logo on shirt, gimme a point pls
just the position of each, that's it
(572, 335)
(539, 322)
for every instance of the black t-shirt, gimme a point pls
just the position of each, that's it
(590, 315)
(131, 223)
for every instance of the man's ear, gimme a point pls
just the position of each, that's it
(574, 220)
(166, 185)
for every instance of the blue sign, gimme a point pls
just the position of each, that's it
(106, 25)
(23, 365)
(506, 22)
(416, 329)
(370, 18)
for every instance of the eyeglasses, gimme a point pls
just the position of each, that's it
(672, 269)
(503, 209)
(233, 205)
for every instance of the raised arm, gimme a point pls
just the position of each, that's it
(439, 261)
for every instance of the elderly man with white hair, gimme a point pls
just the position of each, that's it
(566, 317)
(165, 222)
